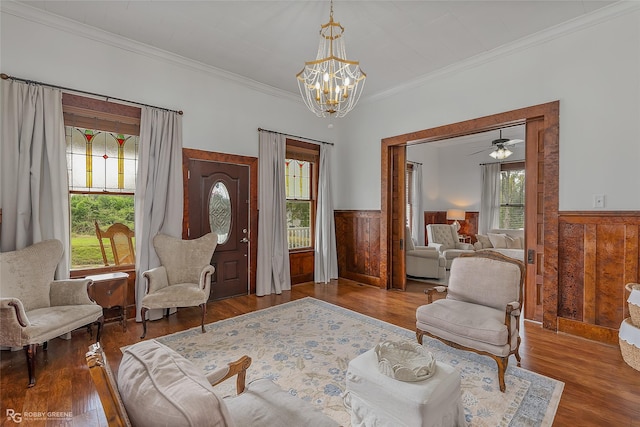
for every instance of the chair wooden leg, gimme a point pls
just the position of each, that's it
(203, 307)
(30, 351)
(100, 323)
(419, 335)
(143, 314)
(502, 367)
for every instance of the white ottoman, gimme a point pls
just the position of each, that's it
(375, 399)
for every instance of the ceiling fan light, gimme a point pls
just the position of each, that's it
(501, 153)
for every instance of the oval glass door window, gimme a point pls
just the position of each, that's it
(220, 211)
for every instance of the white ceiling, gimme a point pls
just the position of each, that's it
(396, 42)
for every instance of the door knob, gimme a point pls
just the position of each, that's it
(244, 240)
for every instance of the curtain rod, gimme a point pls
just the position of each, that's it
(107, 98)
(503, 163)
(295, 136)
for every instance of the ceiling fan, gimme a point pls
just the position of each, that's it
(499, 147)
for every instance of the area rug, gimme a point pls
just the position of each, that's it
(305, 345)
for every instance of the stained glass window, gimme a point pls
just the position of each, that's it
(101, 161)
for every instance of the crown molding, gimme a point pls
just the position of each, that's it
(585, 21)
(57, 22)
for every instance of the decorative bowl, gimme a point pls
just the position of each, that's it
(405, 361)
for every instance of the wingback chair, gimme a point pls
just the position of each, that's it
(34, 308)
(183, 279)
(481, 310)
(157, 386)
(444, 238)
(423, 261)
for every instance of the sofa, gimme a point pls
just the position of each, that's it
(504, 241)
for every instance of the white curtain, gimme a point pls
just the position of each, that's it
(489, 215)
(33, 179)
(159, 194)
(272, 274)
(417, 214)
(326, 256)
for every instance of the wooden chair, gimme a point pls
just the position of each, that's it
(121, 238)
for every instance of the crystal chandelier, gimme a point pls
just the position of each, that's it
(331, 85)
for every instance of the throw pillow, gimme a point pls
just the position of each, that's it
(498, 240)
(484, 241)
(513, 242)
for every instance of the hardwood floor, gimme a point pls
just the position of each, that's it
(600, 389)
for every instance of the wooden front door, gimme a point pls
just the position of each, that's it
(219, 202)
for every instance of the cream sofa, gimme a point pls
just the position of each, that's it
(505, 241)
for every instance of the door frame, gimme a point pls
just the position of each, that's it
(189, 154)
(550, 114)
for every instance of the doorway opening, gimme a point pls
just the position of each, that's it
(541, 219)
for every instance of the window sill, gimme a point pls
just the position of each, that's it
(301, 250)
(74, 274)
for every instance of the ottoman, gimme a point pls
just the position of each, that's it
(375, 399)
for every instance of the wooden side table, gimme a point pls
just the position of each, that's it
(110, 290)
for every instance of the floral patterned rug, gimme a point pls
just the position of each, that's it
(305, 346)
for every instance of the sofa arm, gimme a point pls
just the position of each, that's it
(239, 367)
(70, 292)
(513, 309)
(425, 254)
(156, 279)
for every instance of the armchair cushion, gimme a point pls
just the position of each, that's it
(70, 292)
(178, 295)
(179, 256)
(160, 387)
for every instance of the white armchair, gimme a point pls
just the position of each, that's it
(34, 308)
(423, 261)
(444, 238)
(183, 279)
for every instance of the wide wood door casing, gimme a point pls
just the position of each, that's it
(231, 257)
(398, 218)
(534, 220)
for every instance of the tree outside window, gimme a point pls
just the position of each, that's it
(512, 198)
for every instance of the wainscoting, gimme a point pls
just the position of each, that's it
(598, 255)
(358, 244)
(301, 265)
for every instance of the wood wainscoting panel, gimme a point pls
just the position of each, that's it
(358, 244)
(301, 266)
(598, 255)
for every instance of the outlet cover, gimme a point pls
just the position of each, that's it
(598, 200)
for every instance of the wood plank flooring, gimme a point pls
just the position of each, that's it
(600, 389)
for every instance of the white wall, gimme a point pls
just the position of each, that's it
(220, 114)
(593, 70)
(451, 173)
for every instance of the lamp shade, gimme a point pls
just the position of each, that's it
(456, 214)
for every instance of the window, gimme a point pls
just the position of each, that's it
(512, 196)
(409, 193)
(102, 156)
(301, 185)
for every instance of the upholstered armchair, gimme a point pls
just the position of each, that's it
(34, 308)
(183, 279)
(481, 310)
(157, 386)
(444, 238)
(423, 261)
